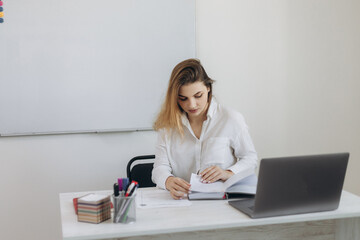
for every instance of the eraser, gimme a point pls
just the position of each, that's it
(1, 9)
(1, 3)
(1, 20)
(1, 14)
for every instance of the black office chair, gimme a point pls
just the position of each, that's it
(139, 169)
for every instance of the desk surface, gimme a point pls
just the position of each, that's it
(201, 215)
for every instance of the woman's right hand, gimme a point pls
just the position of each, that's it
(178, 187)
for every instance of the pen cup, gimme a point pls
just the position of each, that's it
(124, 209)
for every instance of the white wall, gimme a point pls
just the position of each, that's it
(291, 67)
(34, 170)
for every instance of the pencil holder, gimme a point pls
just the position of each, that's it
(124, 209)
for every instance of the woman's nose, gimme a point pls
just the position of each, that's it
(192, 103)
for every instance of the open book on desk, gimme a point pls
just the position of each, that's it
(242, 184)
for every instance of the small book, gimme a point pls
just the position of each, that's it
(242, 184)
(75, 203)
(93, 208)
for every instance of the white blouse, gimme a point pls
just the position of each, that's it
(224, 141)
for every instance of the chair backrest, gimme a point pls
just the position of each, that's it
(139, 169)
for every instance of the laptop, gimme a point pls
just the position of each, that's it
(294, 185)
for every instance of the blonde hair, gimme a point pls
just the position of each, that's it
(188, 71)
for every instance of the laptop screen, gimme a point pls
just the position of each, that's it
(292, 185)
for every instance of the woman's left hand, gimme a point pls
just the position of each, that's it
(215, 173)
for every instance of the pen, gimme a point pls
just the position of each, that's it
(134, 189)
(125, 183)
(120, 184)
(130, 188)
(116, 189)
(128, 205)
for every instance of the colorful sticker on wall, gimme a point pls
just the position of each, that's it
(1, 12)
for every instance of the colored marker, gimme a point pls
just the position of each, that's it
(116, 189)
(120, 184)
(131, 188)
(134, 189)
(125, 183)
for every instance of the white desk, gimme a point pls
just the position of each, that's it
(217, 220)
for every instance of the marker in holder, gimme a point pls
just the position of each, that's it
(124, 208)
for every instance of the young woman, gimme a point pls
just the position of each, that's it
(198, 135)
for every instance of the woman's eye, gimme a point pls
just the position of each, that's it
(182, 99)
(199, 96)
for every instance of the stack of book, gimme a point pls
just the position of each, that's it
(94, 208)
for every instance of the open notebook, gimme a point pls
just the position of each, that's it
(242, 184)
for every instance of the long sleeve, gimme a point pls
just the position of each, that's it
(162, 168)
(245, 152)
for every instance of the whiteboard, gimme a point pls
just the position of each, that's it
(89, 66)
